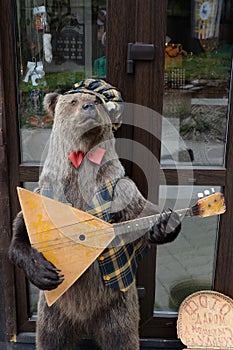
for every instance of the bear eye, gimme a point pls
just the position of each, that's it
(97, 102)
(74, 102)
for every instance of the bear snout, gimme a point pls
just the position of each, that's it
(88, 106)
(89, 110)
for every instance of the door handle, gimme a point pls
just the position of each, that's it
(139, 51)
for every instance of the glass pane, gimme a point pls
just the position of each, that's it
(187, 264)
(57, 45)
(198, 58)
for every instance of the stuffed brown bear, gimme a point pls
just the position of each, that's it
(83, 169)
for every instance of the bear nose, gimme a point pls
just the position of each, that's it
(88, 106)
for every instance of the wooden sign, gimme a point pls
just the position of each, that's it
(68, 240)
(205, 320)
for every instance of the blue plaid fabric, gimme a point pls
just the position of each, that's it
(100, 205)
(118, 264)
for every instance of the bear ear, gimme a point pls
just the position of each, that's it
(50, 101)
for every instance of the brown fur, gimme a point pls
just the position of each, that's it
(88, 307)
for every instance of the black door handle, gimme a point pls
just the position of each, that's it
(139, 51)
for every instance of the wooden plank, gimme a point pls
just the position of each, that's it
(139, 21)
(7, 270)
(193, 177)
(1, 137)
(224, 261)
(15, 302)
(10, 121)
(3, 168)
(198, 176)
(121, 24)
(29, 173)
(148, 92)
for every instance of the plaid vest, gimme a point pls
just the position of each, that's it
(118, 265)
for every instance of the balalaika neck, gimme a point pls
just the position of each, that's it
(142, 225)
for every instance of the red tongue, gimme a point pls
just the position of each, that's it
(76, 158)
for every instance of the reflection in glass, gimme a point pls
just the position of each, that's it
(198, 55)
(58, 44)
(187, 264)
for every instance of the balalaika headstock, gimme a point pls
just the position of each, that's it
(212, 204)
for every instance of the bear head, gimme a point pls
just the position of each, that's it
(80, 120)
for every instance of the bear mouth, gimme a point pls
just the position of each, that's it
(91, 116)
(89, 120)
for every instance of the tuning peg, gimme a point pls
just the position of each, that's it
(206, 192)
(200, 195)
(212, 190)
